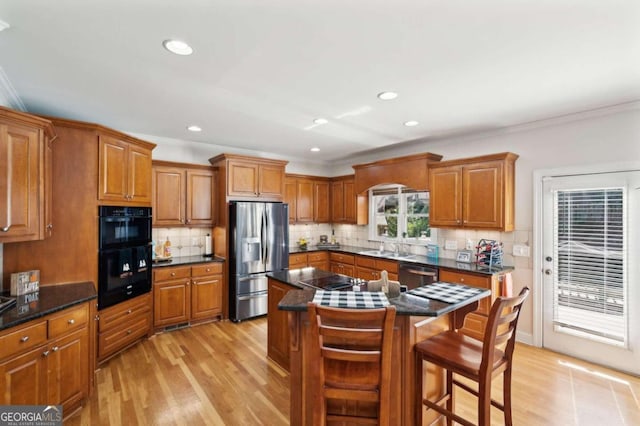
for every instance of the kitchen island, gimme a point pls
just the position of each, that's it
(417, 318)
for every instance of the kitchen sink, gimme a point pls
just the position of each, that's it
(387, 254)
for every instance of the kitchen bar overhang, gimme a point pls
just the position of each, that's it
(417, 318)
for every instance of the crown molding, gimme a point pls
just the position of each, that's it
(8, 94)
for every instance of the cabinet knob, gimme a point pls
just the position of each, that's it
(173, 274)
(6, 228)
(24, 339)
(71, 321)
(208, 269)
(461, 280)
(45, 353)
(129, 331)
(50, 226)
(128, 311)
(55, 349)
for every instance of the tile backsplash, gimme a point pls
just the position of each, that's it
(184, 241)
(358, 236)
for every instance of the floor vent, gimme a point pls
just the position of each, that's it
(176, 327)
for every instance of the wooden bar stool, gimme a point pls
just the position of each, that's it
(480, 361)
(354, 354)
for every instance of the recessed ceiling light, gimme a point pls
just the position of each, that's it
(314, 149)
(178, 47)
(387, 96)
(321, 121)
(411, 123)
(194, 128)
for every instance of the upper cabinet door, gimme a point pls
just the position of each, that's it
(243, 179)
(483, 195)
(168, 196)
(139, 174)
(124, 172)
(321, 207)
(445, 196)
(271, 181)
(304, 200)
(200, 184)
(113, 169)
(21, 168)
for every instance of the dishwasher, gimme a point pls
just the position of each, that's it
(414, 275)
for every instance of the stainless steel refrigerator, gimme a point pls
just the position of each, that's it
(258, 243)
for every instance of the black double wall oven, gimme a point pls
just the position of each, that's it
(124, 259)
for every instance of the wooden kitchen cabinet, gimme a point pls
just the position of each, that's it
(183, 194)
(185, 294)
(124, 170)
(206, 291)
(278, 324)
(341, 263)
(369, 268)
(308, 199)
(250, 177)
(346, 205)
(321, 201)
(475, 322)
(25, 176)
(124, 324)
(474, 193)
(316, 259)
(46, 361)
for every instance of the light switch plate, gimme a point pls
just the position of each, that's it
(451, 245)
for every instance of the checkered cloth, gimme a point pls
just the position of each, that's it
(446, 292)
(351, 299)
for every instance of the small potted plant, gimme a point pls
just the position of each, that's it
(302, 243)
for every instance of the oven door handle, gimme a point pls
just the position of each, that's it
(418, 272)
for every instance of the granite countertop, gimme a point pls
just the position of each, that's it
(45, 301)
(187, 260)
(406, 304)
(417, 259)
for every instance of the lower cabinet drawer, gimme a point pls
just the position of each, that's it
(111, 341)
(206, 269)
(68, 320)
(22, 339)
(119, 315)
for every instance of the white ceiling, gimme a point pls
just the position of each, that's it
(264, 69)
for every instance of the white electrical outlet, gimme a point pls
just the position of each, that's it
(521, 250)
(451, 244)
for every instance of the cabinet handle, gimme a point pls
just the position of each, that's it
(173, 274)
(55, 349)
(129, 331)
(45, 353)
(208, 269)
(50, 226)
(24, 339)
(128, 311)
(461, 280)
(71, 321)
(96, 318)
(6, 228)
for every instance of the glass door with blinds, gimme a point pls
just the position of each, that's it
(591, 268)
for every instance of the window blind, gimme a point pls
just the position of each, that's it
(589, 264)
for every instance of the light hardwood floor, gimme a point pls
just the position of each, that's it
(218, 374)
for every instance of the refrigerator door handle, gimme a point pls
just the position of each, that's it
(266, 234)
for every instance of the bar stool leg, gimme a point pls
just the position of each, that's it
(450, 403)
(506, 376)
(484, 402)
